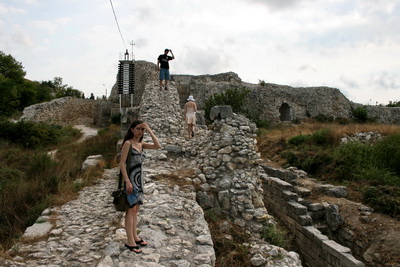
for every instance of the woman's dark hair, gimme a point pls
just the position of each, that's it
(129, 133)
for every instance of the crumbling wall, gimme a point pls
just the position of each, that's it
(70, 111)
(266, 101)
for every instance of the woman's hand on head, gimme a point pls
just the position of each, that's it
(145, 126)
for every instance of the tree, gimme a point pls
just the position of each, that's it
(9, 98)
(63, 90)
(10, 68)
(393, 104)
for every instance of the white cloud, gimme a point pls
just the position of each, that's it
(386, 81)
(348, 82)
(278, 4)
(10, 10)
(51, 26)
(21, 37)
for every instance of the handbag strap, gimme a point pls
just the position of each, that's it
(127, 164)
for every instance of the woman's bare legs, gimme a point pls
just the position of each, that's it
(190, 130)
(131, 226)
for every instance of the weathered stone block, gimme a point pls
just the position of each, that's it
(284, 186)
(289, 195)
(220, 112)
(297, 208)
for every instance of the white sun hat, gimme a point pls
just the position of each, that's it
(191, 98)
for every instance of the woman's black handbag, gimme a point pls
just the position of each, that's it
(120, 201)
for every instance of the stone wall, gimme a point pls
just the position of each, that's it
(382, 114)
(230, 180)
(203, 86)
(274, 102)
(283, 200)
(70, 111)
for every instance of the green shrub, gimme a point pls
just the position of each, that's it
(254, 117)
(34, 135)
(67, 134)
(116, 118)
(315, 163)
(261, 82)
(383, 199)
(273, 235)
(39, 164)
(349, 159)
(211, 216)
(342, 121)
(393, 104)
(387, 153)
(360, 114)
(321, 137)
(298, 140)
(8, 174)
(233, 97)
(374, 165)
(380, 162)
(377, 175)
(323, 118)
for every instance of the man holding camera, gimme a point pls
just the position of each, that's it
(163, 67)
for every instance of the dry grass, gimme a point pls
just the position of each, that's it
(272, 142)
(338, 130)
(228, 240)
(50, 182)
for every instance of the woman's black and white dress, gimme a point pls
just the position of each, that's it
(136, 177)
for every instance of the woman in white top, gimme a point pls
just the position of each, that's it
(190, 115)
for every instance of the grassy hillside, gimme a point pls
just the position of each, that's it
(31, 180)
(370, 170)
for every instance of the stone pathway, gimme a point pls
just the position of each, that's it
(89, 232)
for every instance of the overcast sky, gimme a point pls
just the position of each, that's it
(352, 45)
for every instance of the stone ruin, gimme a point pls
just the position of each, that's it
(280, 103)
(228, 175)
(269, 102)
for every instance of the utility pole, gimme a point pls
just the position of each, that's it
(106, 89)
(132, 44)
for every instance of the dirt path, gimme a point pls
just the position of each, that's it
(86, 131)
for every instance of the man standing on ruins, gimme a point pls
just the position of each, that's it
(163, 67)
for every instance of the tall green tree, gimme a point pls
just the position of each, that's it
(9, 97)
(62, 90)
(11, 68)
